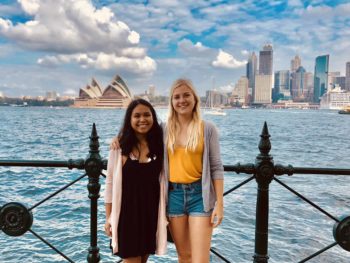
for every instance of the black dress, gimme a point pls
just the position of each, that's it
(139, 208)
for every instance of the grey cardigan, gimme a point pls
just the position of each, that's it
(212, 165)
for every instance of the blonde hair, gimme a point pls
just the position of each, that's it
(194, 130)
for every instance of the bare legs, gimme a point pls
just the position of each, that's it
(179, 229)
(192, 237)
(142, 259)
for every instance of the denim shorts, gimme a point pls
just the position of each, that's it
(186, 199)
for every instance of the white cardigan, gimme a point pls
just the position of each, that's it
(113, 194)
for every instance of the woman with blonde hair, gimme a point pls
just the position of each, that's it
(195, 172)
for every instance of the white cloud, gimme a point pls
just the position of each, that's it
(75, 31)
(187, 47)
(245, 52)
(226, 60)
(31, 7)
(5, 25)
(103, 61)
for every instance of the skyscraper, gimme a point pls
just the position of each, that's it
(309, 86)
(251, 71)
(299, 84)
(295, 63)
(281, 86)
(347, 76)
(266, 60)
(263, 81)
(321, 76)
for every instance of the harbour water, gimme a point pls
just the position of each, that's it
(303, 138)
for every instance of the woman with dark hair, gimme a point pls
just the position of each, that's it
(135, 187)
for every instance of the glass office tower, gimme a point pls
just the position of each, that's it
(321, 77)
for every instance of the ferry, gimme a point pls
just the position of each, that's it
(345, 110)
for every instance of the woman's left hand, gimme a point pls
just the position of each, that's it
(217, 215)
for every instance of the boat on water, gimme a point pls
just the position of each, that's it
(212, 108)
(335, 99)
(24, 104)
(345, 110)
(215, 111)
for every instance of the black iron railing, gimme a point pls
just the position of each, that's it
(16, 219)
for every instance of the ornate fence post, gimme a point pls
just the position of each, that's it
(93, 168)
(264, 174)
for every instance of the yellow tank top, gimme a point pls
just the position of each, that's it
(186, 166)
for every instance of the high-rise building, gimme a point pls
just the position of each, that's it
(295, 63)
(240, 92)
(281, 85)
(298, 84)
(321, 76)
(264, 77)
(347, 76)
(263, 91)
(309, 86)
(266, 61)
(251, 72)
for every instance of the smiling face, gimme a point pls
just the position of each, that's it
(141, 119)
(183, 100)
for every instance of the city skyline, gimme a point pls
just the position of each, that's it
(60, 45)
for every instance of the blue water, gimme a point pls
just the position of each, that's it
(302, 138)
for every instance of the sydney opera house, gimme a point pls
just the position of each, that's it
(116, 95)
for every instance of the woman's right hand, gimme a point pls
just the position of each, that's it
(114, 144)
(108, 229)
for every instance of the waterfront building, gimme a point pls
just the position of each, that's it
(335, 99)
(347, 76)
(251, 72)
(263, 91)
(289, 104)
(321, 76)
(115, 95)
(240, 91)
(295, 63)
(281, 86)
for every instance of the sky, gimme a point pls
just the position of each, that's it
(60, 45)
